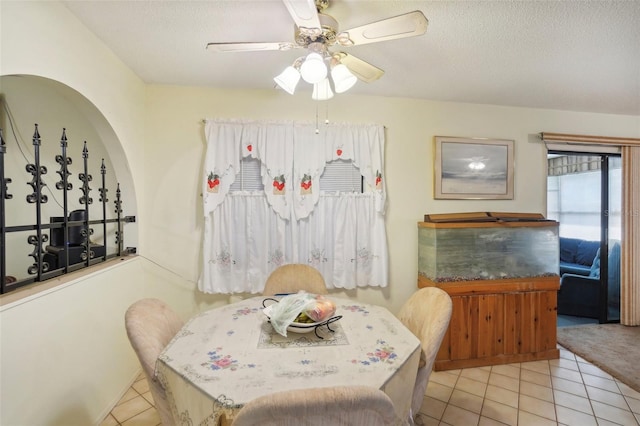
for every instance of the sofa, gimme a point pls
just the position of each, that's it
(578, 256)
(583, 294)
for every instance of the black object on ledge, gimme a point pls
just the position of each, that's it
(56, 252)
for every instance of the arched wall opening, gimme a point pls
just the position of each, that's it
(26, 100)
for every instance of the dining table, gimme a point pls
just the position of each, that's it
(227, 356)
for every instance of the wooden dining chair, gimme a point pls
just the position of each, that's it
(151, 324)
(294, 277)
(427, 314)
(335, 406)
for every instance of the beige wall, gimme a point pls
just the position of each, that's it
(64, 355)
(175, 148)
(66, 352)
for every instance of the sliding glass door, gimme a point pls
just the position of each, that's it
(584, 196)
(612, 234)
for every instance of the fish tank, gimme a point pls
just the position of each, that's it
(490, 250)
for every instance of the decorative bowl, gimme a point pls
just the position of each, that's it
(296, 327)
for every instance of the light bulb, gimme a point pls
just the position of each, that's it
(313, 69)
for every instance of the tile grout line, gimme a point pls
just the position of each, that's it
(138, 395)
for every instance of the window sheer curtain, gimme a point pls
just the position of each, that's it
(248, 234)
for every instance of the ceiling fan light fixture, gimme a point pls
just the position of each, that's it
(343, 79)
(288, 79)
(316, 32)
(322, 91)
(313, 69)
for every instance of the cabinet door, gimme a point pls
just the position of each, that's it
(463, 327)
(490, 325)
(476, 329)
(530, 322)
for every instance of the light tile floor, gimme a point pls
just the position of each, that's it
(565, 391)
(135, 408)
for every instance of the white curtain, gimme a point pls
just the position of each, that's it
(248, 234)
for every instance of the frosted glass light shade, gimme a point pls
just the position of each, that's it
(343, 79)
(288, 79)
(322, 91)
(313, 69)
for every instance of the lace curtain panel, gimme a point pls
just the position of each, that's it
(248, 234)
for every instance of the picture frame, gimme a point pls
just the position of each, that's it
(473, 168)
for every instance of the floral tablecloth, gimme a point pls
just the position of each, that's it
(225, 357)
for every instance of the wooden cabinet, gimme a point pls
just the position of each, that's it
(499, 322)
(502, 278)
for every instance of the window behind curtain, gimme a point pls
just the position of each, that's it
(338, 175)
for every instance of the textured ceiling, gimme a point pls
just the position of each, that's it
(567, 55)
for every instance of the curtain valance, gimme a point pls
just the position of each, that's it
(293, 157)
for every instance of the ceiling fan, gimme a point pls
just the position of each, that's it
(318, 33)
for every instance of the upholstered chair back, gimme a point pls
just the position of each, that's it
(335, 406)
(294, 277)
(151, 324)
(427, 314)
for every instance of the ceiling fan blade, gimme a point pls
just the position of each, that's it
(361, 69)
(408, 25)
(305, 15)
(250, 47)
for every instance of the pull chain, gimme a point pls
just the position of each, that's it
(326, 119)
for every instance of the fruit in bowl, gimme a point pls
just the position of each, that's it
(300, 312)
(303, 318)
(322, 310)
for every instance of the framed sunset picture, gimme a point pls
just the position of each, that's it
(473, 168)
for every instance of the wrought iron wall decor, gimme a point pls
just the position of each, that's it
(70, 247)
